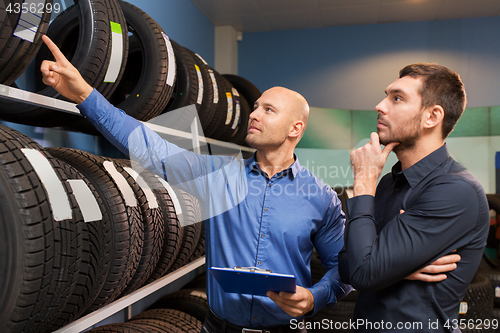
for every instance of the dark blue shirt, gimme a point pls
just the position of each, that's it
(445, 209)
(251, 219)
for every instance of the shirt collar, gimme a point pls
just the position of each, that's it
(293, 170)
(418, 171)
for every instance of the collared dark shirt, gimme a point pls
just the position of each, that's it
(445, 209)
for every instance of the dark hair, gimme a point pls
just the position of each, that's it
(440, 86)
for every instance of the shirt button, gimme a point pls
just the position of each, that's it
(397, 189)
(254, 317)
(265, 209)
(262, 235)
(259, 262)
(269, 185)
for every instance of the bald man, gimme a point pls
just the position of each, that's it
(267, 212)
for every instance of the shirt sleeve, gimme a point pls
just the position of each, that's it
(328, 241)
(181, 168)
(439, 221)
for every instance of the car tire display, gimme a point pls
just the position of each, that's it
(127, 232)
(40, 252)
(89, 49)
(124, 229)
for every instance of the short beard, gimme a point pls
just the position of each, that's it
(264, 145)
(410, 140)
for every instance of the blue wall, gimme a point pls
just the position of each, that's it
(183, 22)
(349, 67)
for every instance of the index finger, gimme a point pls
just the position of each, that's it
(374, 139)
(58, 55)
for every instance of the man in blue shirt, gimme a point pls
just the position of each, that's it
(427, 207)
(267, 211)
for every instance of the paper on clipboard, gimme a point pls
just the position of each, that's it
(253, 282)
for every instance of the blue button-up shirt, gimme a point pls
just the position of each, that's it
(250, 219)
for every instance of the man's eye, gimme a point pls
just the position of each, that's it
(269, 110)
(397, 99)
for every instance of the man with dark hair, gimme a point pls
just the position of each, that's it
(428, 207)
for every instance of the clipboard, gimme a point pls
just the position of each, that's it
(251, 280)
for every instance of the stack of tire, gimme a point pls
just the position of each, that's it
(79, 231)
(128, 58)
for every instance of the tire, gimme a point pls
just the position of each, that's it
(16, 54)
(143, 326)
(208, 108)
(127, 236)
(88, 49)
(176, 318)
(240, 123)
(172, 234)
(152, 222)
(149, 75)
(199, 251)
(188, 88)
(191, 301)
(246, 88)
(190, 230)
(479, 299)
(41, 251)
(225, 111)
(96, 252)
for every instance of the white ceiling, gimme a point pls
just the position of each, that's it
(265, 15)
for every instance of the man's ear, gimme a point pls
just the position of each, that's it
(434, 116)
(296, 129)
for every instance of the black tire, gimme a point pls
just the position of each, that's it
(41, 251)
(190, 230)
(240, 123)
(199, 251)
(246, 88)
(226, 110)
(178, 319)
(152, 221)
(172, 235)
(16, 54)
(208, 108)
(188, 88)
(127, 237)
(479, 299)
(191, 301)
(143, 326)
(143, 91)
(96, 252)
(88, 49)
(153, 325)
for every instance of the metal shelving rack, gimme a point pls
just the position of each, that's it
(130, 305)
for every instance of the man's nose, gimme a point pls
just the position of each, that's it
(381, 107)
